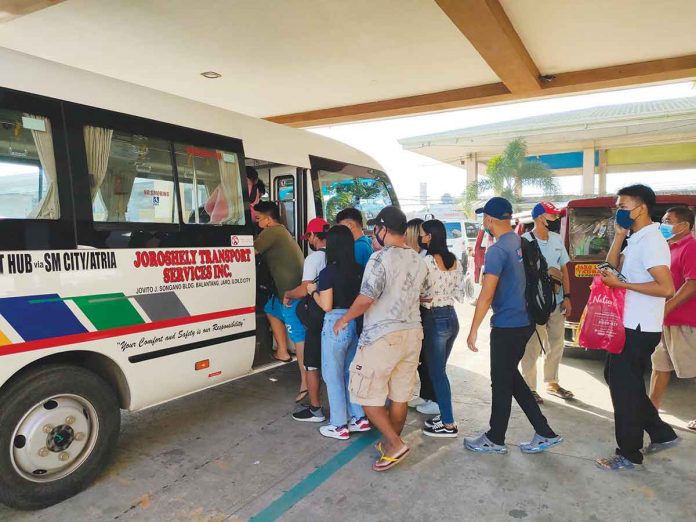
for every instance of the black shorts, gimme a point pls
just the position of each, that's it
(312, 349)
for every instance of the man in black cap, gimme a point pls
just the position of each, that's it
(385, 366)
(503, 289)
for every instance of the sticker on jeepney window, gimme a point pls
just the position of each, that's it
(586, 270)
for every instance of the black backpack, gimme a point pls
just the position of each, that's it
(541, 300)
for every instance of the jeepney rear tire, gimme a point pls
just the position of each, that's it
(20, 399)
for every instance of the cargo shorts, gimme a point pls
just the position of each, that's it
(386, 368)
(677, 352)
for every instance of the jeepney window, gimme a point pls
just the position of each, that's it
(28, 175)
(131, 177)
(210, 185)
(471, 229)
(591, 232)
(340, 190)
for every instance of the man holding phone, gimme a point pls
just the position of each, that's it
(547, 225)
(645, 265)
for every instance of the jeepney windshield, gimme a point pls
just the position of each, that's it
(590, 231)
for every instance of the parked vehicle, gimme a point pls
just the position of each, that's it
(127, 267)
(588, 230)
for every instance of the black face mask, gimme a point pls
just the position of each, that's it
(380, 240)
(422, 245)
(554, 226)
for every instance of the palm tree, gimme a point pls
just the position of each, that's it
(508, 173)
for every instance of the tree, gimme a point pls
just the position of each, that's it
(349, 194)
(508, 173)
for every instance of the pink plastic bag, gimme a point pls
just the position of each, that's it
(601, 326)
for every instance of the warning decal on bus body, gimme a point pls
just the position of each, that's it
(586, 270)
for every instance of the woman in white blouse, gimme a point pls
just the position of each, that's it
(440, 324)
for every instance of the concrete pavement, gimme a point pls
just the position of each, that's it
(233, 452)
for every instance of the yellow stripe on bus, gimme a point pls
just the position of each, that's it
(4, 340)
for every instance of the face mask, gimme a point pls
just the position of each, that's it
(421, 244)
(380, 240)
(554, 226)
(624, 219)
(667, 231)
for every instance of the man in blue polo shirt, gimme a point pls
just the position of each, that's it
(503, 289)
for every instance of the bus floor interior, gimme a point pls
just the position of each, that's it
(234, 453)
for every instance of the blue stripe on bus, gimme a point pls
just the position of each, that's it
(40, 316)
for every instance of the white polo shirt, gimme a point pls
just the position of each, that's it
(646, 249)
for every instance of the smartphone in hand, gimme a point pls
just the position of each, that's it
(610, 268)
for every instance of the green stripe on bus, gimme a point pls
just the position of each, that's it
(108, 310)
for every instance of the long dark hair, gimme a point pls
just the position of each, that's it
(340, 251)
(438, 242)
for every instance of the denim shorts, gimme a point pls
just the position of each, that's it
(287, 314)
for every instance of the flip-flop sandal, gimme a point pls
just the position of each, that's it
(380, 448)
(692, 425)
(301, 396)
(561, 392)
(289, 359)
(392, 461)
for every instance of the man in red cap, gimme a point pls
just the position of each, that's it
(547, 225)
(315, 235)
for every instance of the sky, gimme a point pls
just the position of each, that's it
(408, 169)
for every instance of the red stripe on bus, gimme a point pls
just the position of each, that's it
(52, 342)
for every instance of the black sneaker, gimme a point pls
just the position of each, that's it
(309, 414)
(432, 422)
(440, 430)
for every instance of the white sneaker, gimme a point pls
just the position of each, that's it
(359, 425)
(334, 432)
(416, 401)
(428, 408)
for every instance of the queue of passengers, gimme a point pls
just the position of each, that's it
(372, 322)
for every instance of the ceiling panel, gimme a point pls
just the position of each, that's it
(275, 57)
(571, 35)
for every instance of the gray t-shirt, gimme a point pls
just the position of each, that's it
(395, 278)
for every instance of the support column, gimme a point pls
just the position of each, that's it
(602, 172)
(471, 169)
(588, 171)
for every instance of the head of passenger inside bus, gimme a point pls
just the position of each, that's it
(497, 216)
(339, 249)
(634, 206)
(412, 232)
(266, 214)
(353, 219)
(315, 233)
(433, 239)
(677, 223)
(547, 216)
(389, 227)
(253, 180)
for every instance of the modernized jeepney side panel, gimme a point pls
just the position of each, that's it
(154, 312)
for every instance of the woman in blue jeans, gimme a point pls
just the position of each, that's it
(338, 286)
(440, 324)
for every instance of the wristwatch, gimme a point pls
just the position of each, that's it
(566, 296)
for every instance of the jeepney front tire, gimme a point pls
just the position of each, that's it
(17, 405)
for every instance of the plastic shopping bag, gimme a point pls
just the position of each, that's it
(601, 326)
